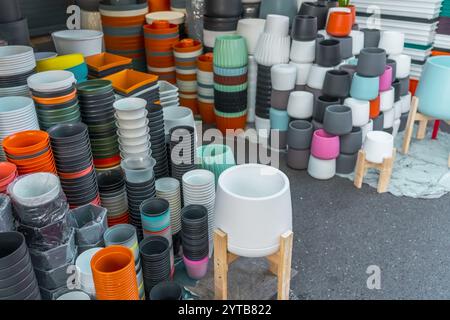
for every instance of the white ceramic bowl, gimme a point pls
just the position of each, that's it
(253, 206)
(86, 42)
(360, 111)
(283, 77)
(378, 146)
(303, 51)
(250, 30)
(301, 105)
(321, 169)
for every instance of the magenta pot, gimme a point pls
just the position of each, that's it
(325, 146)
(386, 79)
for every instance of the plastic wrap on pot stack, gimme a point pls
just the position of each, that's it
(195, 9)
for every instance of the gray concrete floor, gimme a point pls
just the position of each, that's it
(340, 231)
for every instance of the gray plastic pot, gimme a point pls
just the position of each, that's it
(337, 84)
(317, 125)
(279, 99)
(320, 105)
(404, 86)
(345, 163)
(371, 62)
(397, 87)
(315, 9)
(346, 45)
(304, 28)
(378, 123)
(351, 143)
(393, 64)
(298, 159)
(328, 53)
(338, 120)
(300, 134)
(371, 37)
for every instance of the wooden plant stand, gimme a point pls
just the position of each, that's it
(385, 168)
(279, 264)
(415, 115)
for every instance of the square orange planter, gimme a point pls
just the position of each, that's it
(105, 61)
(129, 80)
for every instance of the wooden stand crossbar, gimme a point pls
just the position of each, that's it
(279, 264)
(415, 115)
(385, 168)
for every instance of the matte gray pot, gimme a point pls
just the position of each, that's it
(328, 53)
(320, 105)
(317, 125)
(352, 142)
(316, 10)
(404, 86)
(223, 8)
(378, 123)
(397, 88)
(337, 84)
(298, 159)
(346, 45)
(371, 37)
(300, 134)
(338, 120)
(350, 68)
(304, 28)
(346, 163)
(279, 99)
(371, 62)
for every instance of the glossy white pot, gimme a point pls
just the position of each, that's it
(301, 105)
(253, 206)
(378, 146)
(303, 70)
(360, 111)
(387, 99)
(283, 77)
(316, 76)
(403, 65)
(321, 169)
(303, 51)
(392, 41)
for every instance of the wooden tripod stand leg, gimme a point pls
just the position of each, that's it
(386, 173)
(422, 131)
(410, 125)
(220, 265)
(284, 265)
(360, 169)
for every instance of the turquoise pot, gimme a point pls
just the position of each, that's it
(80, 72)
(364, 88)
(279, 119)
(434, 88)
(282, 7)
(216, 158)
(230, 51)
(155, 223)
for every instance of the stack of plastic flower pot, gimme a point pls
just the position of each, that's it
(71, 62)
(6, 215)
(160, 37)
(155, 216)
(17, 278)
(16, 114)
(114, 274)
(125, 235)
(174, 17)
(158, 140)
(104, 64)
(30, 151)
(155, 259)
(186, 53)
(17, 63)
(194, 220)
(299, 144)
(96, 98)
(273, 47)
(55, 96)
(215, 158)
(73, 158)
(230, 82)
(182, 151)
(90, 222)
(205, 87)
(122, 27)
(83, 265)
(140, 183)
(168, 94)
(221, 18)
(131, 83)
(113, 195)
(8, 173)
(42, 209)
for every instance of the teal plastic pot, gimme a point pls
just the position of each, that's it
(279, 119)
(434, 87)
(230, 51)
(364, 88)
(155, 214)
(80, 72)
(216, 158)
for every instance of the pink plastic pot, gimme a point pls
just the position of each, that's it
(196, 269)
(386, 79)
(325, 146)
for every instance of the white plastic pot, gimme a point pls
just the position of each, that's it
(360, 111)
(387, 99)
(301, 105)
(321, 169)
(86, 42)
(403, 65)
(389, 118)
(251, 29)
(277, 25)
(283, 77)
(303, 70)
(392, 41)
(316, 76)
(303, 51)
(253, 206)
(406, 103)
(366, 129)
(358, 41)
(378, 146)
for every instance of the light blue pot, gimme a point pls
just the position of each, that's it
(433, 90)
(80, 72)
(364, 88)
(279, 119)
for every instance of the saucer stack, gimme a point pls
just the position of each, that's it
(71, 62)
(113, 195)
(182, 150)
(186, 53)
(17, 63)
(205, 86)
(158, 140)
(169, 189)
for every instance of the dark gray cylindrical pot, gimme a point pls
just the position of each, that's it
(317, 125)
(223, 8)
(328, 53)
(304, 28)
(371, 62)
(320, 105)
(404, 86)
(337, 84)
(279, 99)
(316, 10)
(378, 122)
(403, 121)
(13, 250)
(350, 68)
(220, 24)
(316, 92)
(338, 120)
(346, 45)
(346, 163)
(371, 37)
(396, 86)
(352, 142)
(166, 291)
(300, 134)
(298, 159)
(393, 64)
(10, 11)
(16, 32)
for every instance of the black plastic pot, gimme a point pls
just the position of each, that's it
(320, 105)
(298, 159)
(316, 10)
(371, 37)
(154, 249)
(345, 163)
(378, 123)
(12, 249)
(371, 62)
(404, 86)
(166, 291)
(397, 87)
(154, 207)
(220, 24)
(338, 120)
(304, 28)
(300, 134)
(328, 53)
(346, 45)
(223, 8)
(337, 84)
(351, 143)
(10, 11)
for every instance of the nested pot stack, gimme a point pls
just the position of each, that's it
(113, 195)
(158, 140)
(182, 151)
(17, 63)
(205, 83)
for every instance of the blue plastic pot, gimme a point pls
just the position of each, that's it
(364, 88)
(279, 119)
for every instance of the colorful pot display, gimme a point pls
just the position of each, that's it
(259, 198)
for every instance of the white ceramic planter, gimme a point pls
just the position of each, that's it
(403, 65)
(366, 129)
(301, 105)
(321, 169)
(378, 146)
(392, 41)
(358, 41)
(406, 103)
(253, 206)
(387, 99)
(272, 49)
(303, 51)
(398, 109)
(283, 77)
(251, 29)
(389, 118)
(86, 42)
(262, 127)
(177, 116)
(316, 76)
(360, 111)
(277, 25)
(303, 70)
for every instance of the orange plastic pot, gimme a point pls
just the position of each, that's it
(224, 124)
(206, 111)
(129, 80)
(113, 271)
(340, 24)
(123, 21)
(160, 27)
(187, 45)
(353, 12)
(26, 142)
(187, 77)
(158, 5)
(375, 108)
(190, 103)
(104, 61)
(205, 62)
(56, 100)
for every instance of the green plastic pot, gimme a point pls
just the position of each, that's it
(230, 51)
